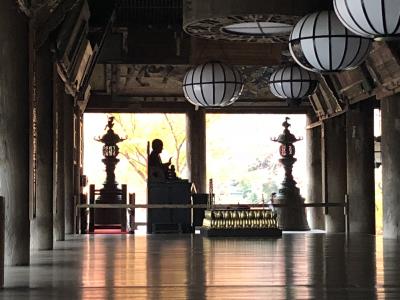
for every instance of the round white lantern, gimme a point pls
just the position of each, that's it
(320, 43)
(370, 18)
(292, 82)
(212, 84)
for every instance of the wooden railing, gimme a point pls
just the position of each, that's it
(92, 198)
(131, 207)
(205, 205)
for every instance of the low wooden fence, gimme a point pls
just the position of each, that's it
(131, 207)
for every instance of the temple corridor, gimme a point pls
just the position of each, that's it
(272, 171)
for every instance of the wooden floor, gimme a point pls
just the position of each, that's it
(297, 266)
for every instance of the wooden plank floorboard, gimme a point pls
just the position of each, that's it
(297, 266)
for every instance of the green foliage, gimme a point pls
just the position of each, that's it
(269, 187)
(247, 192)
(239, 150)
(141, 129)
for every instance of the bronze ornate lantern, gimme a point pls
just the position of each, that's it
(110, 193)
(292, 216)
(110, 153)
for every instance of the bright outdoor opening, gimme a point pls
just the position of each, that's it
(378, 175)
(139, 129)
(241, 158)
(243, 161)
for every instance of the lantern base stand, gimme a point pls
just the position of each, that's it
(105, 217)
(293, 216)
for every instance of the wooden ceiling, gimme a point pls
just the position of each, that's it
(149, 34)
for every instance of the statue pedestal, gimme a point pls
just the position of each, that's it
(169, 219)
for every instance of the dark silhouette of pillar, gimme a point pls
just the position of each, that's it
(196, 148)
(316, 216)
(77, 162)
(2, 208)
(42, 223)
(360, 167)
(391, 165)
(335, 172)
(14, 131)
(69, 163)
(58, 160)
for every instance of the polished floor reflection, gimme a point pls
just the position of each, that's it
(297, 266)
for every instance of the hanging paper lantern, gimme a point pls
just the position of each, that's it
(212, 84)
(320, 43)
(370, 18)
(292, 82)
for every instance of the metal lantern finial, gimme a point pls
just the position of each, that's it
(370, 18)
(320, 43)
(212, 84)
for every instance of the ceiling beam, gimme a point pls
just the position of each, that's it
(24, 6)
(49, 16)
(110, 104)
(238, 53)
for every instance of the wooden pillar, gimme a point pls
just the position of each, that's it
(14, 131)
(390, 146)
(196, 148)
(335, 172)
(316, 218)
(42, 223)
(360, 167)
(69, 163)
(77, 161)
(58, 160)
(2, 208)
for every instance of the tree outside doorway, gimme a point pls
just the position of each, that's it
(132, 168)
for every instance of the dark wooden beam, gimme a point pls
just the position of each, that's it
(24, 6)
(155, 46)
(238, 53)
(110, 104)
(48, 17)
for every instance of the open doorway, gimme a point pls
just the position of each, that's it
(241, 158)
(244, 162)
(139, 129)
(378, 173)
